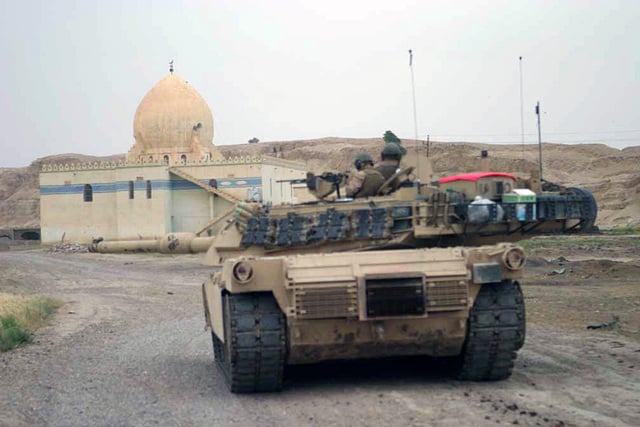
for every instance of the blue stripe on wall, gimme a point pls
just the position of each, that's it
(159, 184)
(77, 188)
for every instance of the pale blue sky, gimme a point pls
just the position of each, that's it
(73, 72)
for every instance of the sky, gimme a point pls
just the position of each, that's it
(74, 72)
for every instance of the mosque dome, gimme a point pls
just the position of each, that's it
(168, 116)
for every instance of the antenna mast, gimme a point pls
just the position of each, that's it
(413, 91)
(415, 116)
(521, 112)
(539, 140)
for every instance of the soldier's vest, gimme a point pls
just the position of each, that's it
(387, 168)
(372, 182)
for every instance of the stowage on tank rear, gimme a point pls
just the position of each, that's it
(270, 311)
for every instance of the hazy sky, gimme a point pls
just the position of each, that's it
(73, 72)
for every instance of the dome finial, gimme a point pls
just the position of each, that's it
(171, 66)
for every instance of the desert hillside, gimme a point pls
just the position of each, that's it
(612, 175)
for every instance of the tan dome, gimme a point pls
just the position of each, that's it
(169, 114)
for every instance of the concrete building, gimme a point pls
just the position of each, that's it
(173, 179)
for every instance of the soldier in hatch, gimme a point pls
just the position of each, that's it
(390, 164)
(366, 181)
(390, 155)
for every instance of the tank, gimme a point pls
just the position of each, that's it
(269, 311)
(423, 268)
(420, 269)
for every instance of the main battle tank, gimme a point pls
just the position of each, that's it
(416, 270)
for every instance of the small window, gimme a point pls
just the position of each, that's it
(88, 193)
(148, 189)
(30, 235)
(165, 160)
(499, 187)
(131, 190)
(183, 159)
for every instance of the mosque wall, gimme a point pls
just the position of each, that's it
(64, 213)
(191, 207)
(141, 200)
(189, 210)
(236, 176)
(274, 170)
(145, 201)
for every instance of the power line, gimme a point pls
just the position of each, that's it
(530, 134)
(547, 140)
(599, 132)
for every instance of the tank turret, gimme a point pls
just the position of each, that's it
(468, 209)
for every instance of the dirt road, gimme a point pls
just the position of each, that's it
(129, 348)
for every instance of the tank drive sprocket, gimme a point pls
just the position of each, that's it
(252, 355)
(495, 331)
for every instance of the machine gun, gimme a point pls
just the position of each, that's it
(323, 185)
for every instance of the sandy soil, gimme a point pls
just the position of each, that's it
(129, 348)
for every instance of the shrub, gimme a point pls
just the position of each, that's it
(22, 315)
(11, 334)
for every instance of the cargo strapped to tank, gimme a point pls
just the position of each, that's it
(475, 176)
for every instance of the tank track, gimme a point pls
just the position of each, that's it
(495, 332)
(253, 355)
(589, 208)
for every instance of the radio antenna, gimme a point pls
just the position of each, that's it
(415, 116)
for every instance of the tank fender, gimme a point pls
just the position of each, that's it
(212, 300)
(251, 274)
(491, 264)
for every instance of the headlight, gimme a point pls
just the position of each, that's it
(242, 272)
(514, 258)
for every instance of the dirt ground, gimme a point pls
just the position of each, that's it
(129, 348)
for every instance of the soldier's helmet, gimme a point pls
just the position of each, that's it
(391, 151)
(361, 160)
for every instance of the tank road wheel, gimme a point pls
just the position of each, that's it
(495, 331)
(253, 354)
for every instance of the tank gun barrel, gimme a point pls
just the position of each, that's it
(293, 181)
(179, 243)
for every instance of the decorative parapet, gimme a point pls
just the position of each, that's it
(236, 160)
(79, 166)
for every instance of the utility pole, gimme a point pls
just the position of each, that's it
(428, 145)
(539, 140)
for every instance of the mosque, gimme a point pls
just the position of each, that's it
(173, 179)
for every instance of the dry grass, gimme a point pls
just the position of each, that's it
(22, 315)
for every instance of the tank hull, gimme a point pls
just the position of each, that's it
(362, 304)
